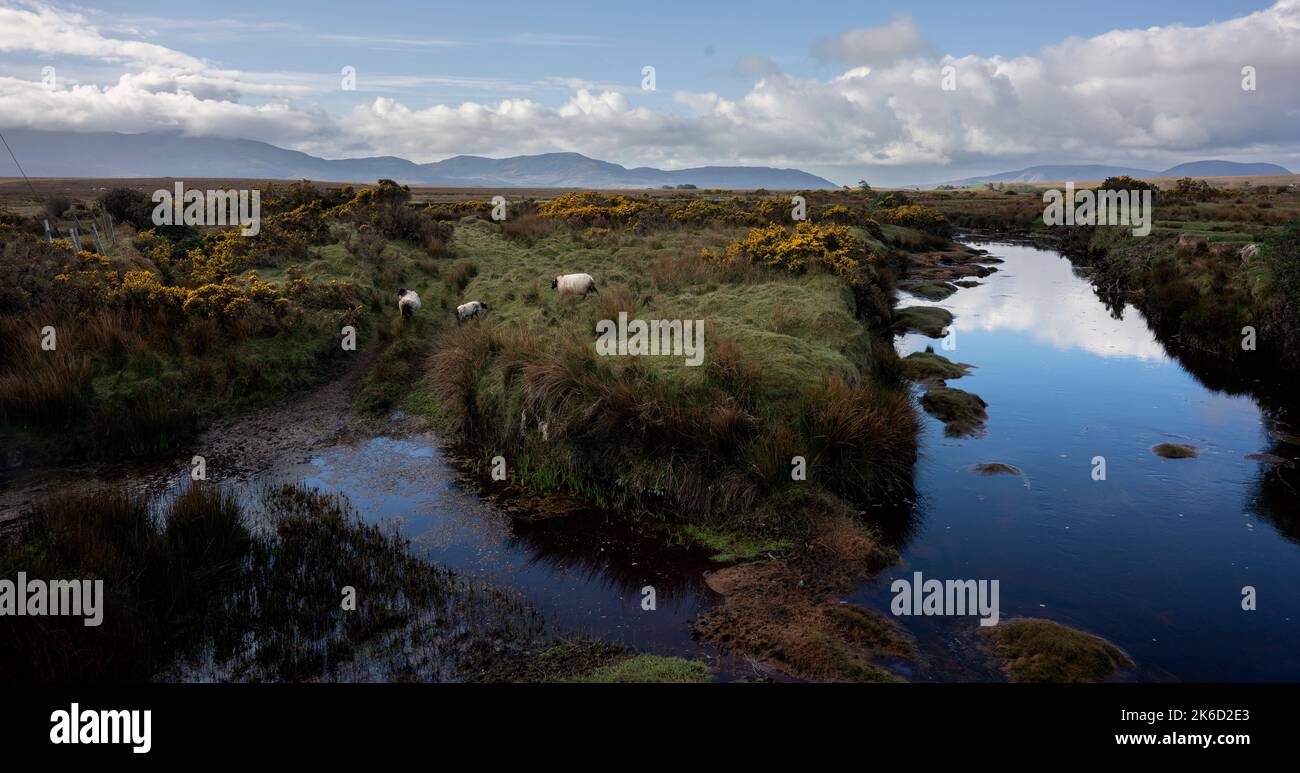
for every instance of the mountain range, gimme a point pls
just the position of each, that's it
(170, 154)
(109, 154)
(1079, 172)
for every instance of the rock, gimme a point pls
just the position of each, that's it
(931, 367)
(1175, 451)
(961, 412)
(930, 290)
(927, 320)
(996, 468)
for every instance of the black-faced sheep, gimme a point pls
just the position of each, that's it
(408, 301)
(575, 284)
(471, 309)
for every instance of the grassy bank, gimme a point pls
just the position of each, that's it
(796, 359)
(132, 352)
(1189, 276)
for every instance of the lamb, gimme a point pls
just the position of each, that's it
(471, 309)
(408, 301)
(575, 284)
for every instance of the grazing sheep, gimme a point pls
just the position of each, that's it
(575, 284)
(471, 309)
(1249, 252)
(408, 301)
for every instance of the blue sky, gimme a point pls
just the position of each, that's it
(754, 82)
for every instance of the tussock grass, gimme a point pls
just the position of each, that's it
(789, 370)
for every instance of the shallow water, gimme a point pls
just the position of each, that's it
(585, 571)
(1155, 556)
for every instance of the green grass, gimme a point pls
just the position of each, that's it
(650, 668)
(652, 431)
(1043, 651)
(730, 547)
(931, 321)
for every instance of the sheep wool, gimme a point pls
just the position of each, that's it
(408, 301)
(575, 284)
(471, 309)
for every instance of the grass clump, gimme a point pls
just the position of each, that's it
(928, 366)
(1043, 651)
(961, 412)
(930, 290)
(930, 321)
(1175, 451)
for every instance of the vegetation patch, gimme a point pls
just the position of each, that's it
(962, 413)
(928, 366)
(1035, 650)
(1175, 451)
(930, 321)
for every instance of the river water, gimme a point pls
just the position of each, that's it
(1156, 556)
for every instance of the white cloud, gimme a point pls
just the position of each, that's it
(896, 39)
(1139, 97)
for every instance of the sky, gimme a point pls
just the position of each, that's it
(846, 90)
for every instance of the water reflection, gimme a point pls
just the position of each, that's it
(1155, 556)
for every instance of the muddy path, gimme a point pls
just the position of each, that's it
(233, 448)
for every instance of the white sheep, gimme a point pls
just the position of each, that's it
(408, 301)
(575, 284)
(471, 309)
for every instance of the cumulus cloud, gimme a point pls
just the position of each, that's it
(897, 39)
(1139, 97)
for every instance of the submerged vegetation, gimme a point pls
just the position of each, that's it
(203, 587)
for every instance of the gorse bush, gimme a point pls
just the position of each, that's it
(831, 247)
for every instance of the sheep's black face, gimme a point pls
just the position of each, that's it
(483, 306)
(401, 291)
(555, 283)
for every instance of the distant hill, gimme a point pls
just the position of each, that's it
(108, 154)
(1039, 174)
(1222, 169)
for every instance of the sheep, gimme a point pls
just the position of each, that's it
(575, 284)
(471, 309)
(1192, 242)
(1249, 252)
(408, 301)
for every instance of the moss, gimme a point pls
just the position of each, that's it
(927, 366)
(932, 291)
(961, 412)
(927, 320)
(1035, 650)
(1175, 451)
(650, 668)
(729, 547)
(595, 662)
(996, 468)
